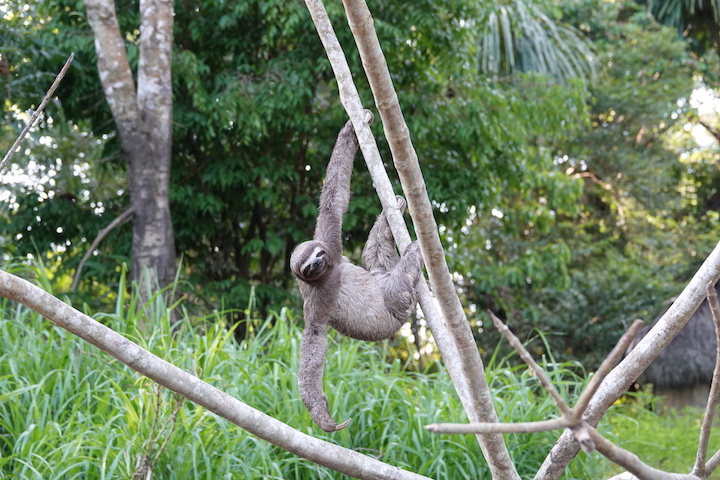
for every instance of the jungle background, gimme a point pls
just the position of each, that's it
(570, 148)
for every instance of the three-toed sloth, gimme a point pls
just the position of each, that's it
(366, 303)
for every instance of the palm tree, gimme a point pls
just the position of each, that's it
(518, 36)
(699, 20)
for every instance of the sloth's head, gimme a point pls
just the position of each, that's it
(309, 261)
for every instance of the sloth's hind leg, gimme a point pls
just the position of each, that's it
(379, 253)
(399, 289)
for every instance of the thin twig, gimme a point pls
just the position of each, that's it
(122, 218)
(701, 468)
(525, 355)
(37, 113)
(143, 466)
(171, 421)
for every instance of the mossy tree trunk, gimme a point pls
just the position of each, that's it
(144, 121)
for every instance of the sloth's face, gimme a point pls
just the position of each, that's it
(309, 261)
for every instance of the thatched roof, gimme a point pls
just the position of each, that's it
(689, 359)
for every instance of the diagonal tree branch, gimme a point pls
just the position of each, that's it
(480, 407)
(264, 426)
(702, 468)
(711, 130)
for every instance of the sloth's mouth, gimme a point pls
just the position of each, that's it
(312, 268)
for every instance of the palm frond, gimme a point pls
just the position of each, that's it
(675, 12)
(519, 36)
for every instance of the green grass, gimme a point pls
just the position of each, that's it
(667, 442)
(69, 411)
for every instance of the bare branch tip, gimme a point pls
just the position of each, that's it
(499, 324)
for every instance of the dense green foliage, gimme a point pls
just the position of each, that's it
(256, 112)
(647, 212)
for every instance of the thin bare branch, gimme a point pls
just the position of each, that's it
(701, 468)
(520, 427)
(122, 218)
(341, 459)
(527, 358)
(37, 112)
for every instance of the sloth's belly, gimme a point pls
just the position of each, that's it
(361, 312)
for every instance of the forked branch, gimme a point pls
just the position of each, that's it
(571, 417)
(624, 374)
(584, 433)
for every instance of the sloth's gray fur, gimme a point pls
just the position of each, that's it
(367, 303)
